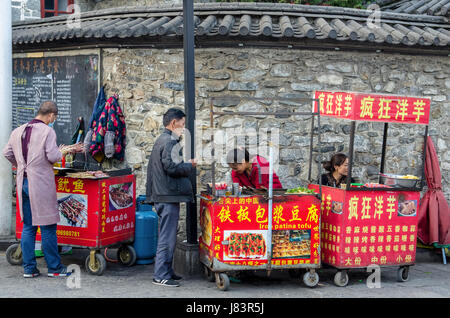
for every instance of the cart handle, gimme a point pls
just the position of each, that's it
(205, 198)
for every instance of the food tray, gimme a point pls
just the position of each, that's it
(397, 180)
(121, 192)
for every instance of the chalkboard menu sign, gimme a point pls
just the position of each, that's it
(70, 81)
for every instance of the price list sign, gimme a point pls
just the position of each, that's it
(360, 228)
(70, 81)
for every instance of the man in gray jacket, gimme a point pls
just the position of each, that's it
(168, 184)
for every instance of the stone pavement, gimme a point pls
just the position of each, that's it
(428, 278)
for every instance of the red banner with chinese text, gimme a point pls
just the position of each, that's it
(373, 107)
(368, 227)
(93, 212)
(235, 230)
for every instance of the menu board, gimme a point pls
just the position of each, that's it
(70, 81)
(360, 228)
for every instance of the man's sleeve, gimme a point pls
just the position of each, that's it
(149, 184)
(8, 153)
(51, 149)
(174, 170)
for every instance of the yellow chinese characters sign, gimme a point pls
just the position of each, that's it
(239, 230)
(373, 107)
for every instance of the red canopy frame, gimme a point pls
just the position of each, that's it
(357, 106)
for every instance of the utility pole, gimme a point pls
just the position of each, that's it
(189, 107)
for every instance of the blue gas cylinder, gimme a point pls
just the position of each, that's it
(145, 235)
(141, 204)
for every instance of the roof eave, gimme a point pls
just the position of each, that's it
(165, 42)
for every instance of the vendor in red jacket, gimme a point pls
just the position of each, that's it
(252, 172)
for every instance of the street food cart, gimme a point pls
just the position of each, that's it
(235, 235)
(97, 211)
(374, 223)
(254, 230)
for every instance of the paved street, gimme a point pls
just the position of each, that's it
(428, 278)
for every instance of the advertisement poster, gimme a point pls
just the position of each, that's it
(117, 214)
(374, 227)
(245, 245)
(235, 230)
(291, 244)
(73, 209)
(120, 196)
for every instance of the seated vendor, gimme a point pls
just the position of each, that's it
(337, 169)
(252, 172)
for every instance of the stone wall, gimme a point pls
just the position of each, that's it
(25, 10)
(151, 81)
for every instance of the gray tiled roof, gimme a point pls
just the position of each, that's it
(429, 7)
(244, 21)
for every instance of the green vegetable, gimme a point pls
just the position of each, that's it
(301, 190)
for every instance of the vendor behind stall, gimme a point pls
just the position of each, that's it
(251, 172)
(337, 168)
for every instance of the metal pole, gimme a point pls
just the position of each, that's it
(424, 159)
(6, 118)
(270, 211)
(311, 149)
(319, 142)
(213, 159)
(189, 106)
(383, 150)
(350, 154)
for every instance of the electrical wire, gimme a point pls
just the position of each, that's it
(108, 259)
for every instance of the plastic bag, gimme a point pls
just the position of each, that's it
(87, 140)
(109, 144)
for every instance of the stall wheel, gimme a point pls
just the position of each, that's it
(96, 265)
(403, 273)
(222, 281)
(14, 254)
(311, 278)
(209, 274)
(126, 254)
(341, 278)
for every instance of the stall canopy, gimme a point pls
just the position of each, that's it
(434, 213)
(356, 106)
